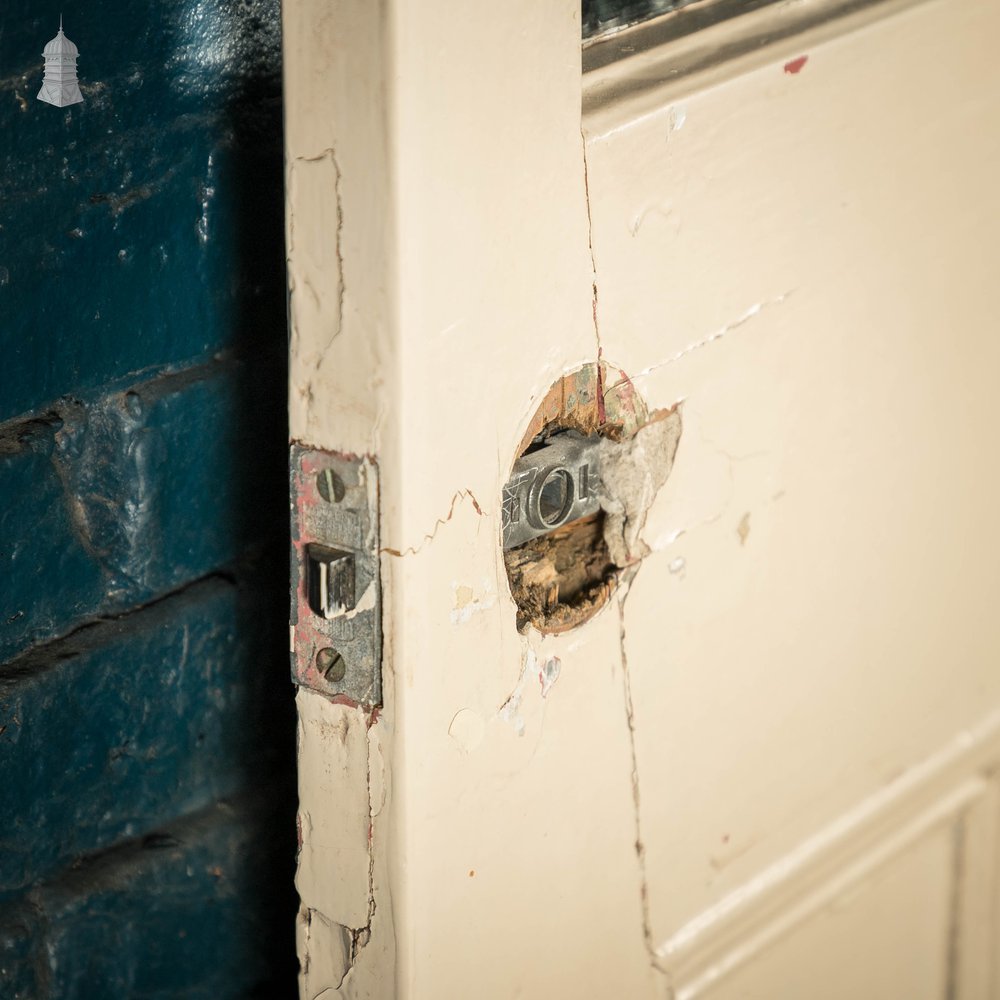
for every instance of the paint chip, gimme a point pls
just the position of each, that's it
(467, 729)
(549, 674)
(743, 528)
(468, 604)
(795, 65)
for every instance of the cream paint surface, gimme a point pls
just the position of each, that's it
(521, 879)
(339, 225)
(806, 262)
(343, 387)
(850, 417)
(853, 948)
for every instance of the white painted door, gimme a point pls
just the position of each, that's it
(765, 766)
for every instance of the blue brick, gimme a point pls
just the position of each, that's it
(22, 974)
(186, 913)
(109, 504)
(127, 723)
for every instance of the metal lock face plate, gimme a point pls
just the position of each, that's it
(336, 620)
(550, 486)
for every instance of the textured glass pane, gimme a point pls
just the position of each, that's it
(604, 15)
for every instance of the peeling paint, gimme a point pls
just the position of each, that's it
(632, 472)
(309, 253)
(548, 674)
(337, 857)
(468, 604)
(510, 711)
(325, 946)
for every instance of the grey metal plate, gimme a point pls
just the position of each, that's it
(334, 504)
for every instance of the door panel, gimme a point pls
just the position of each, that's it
(764, 766)
(862, 944)
(780, 253)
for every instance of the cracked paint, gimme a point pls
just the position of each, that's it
(429, 536)
(590, 247)
(308, 249)
(528, 815)
(338, 234)
(325, 947)
(326, 253)
(468, 685)
(335, 858)
(640, 848)
(750, 313)
(338, 845)
(343, 352)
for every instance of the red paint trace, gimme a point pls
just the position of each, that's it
(796, 64)
(602, 413)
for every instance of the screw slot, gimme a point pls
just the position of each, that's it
(331, 664)
(331, 487)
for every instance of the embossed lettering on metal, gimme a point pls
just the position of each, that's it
(550, 486)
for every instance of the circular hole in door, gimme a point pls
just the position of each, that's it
(564, 574)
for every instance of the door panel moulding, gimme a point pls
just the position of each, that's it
(639, 71)
(944, 789)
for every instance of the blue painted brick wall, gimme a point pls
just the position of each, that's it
(146, 718)
(132, 223)
(186, 912)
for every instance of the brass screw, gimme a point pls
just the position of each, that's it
(331, 664)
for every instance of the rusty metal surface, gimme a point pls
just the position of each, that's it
(334, 505)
